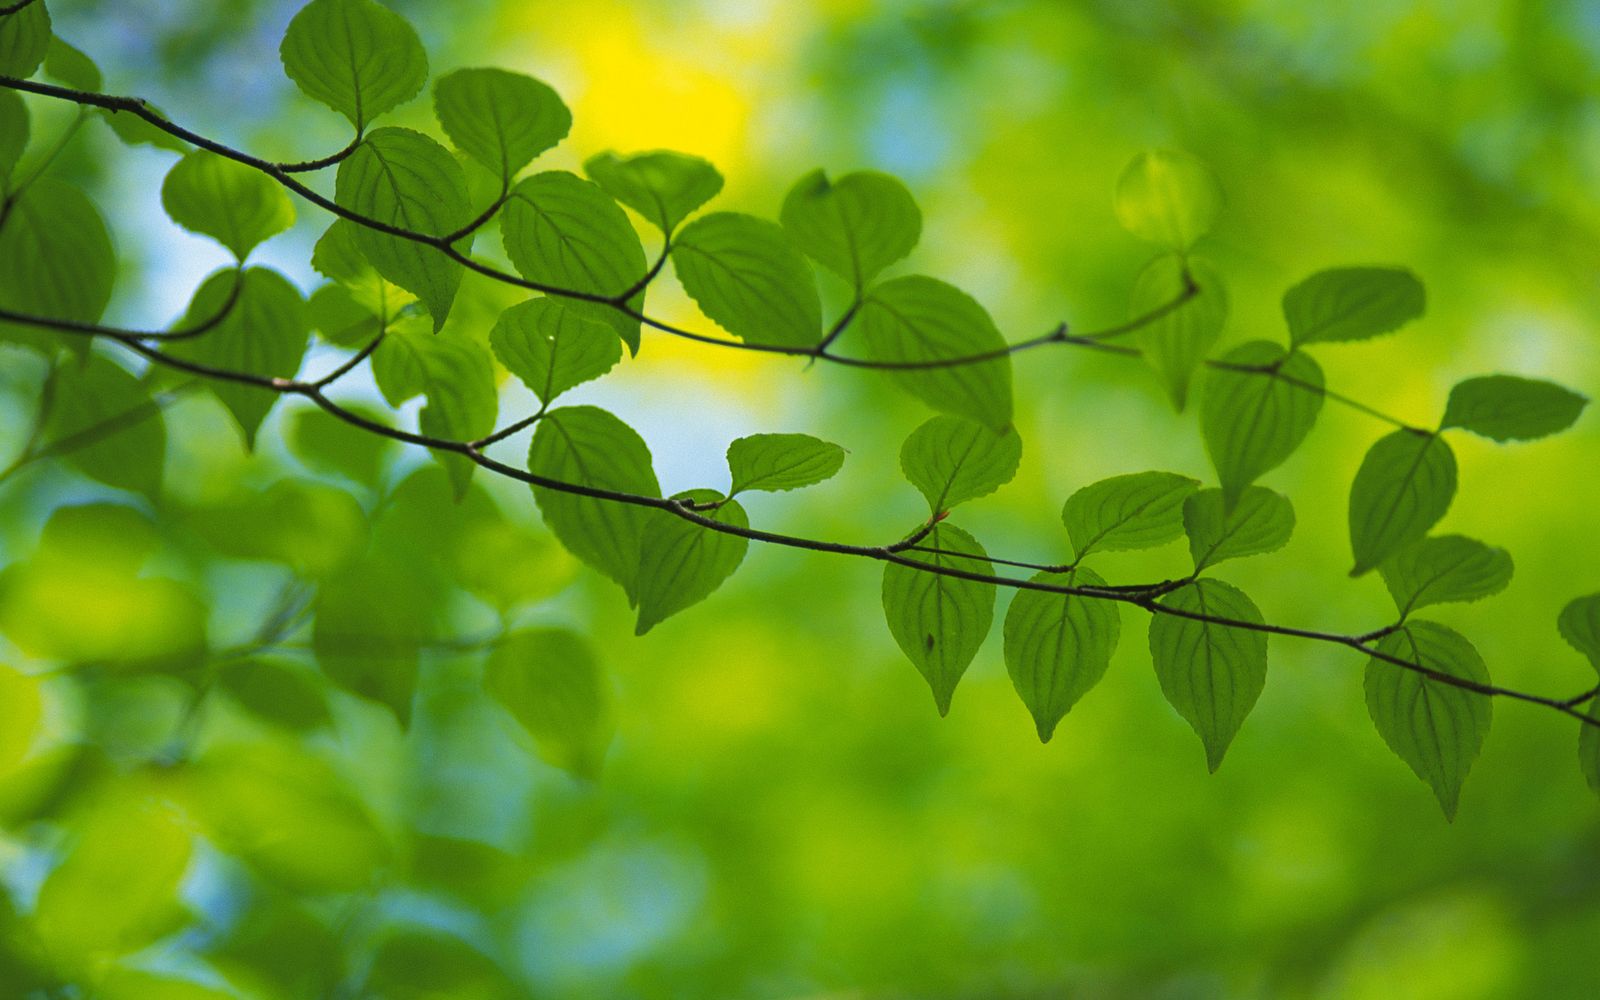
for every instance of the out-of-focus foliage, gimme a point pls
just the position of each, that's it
(329, 716)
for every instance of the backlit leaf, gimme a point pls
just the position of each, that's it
(682, 563)
(24, 40)
(1136, 511)
(916, 320)
(1434, 727)
(1260, 522)
(1352, 303)
(1509, 408)
(939, 621)
(1445, 569)
(552, 346)
(1404, 486)
(856, 225)
(1058, 646)
(591, 448)
(238, 206)
(746, 275)
(951, 460)
(501, 119)
(356, 56)
(663, 186)
(1254, 420)
(1168, 197)
(774, 462)
(1175, 343)
(550, 683)
(1211, 673)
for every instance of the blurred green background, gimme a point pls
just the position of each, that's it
(781, 812)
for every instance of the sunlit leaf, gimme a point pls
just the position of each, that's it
(1579, 624)
(1260, 522)
(663, 186)
(313, 528)
(589, 447)
(356, 56)
(425, 964)
(1211, 673)
(278, 691)
(1404, 486)
(56, 259)
(1445, 569)
(565, 232)
(72, 66)
(775, 462)
(238, 206)
(501, 119)
(1176, 342)
(407, 180)
(856, 225)
(550, 683)
(331, 446)
(552, 346)
(463, 400)
(265, 332)
(1434, 727)
(1168, 197)
(951, 460)
(939, 621)
(1058, 646)
(1352, 303)
(746, 275)
(1136, 511)
(1253, 420)
(24, 40)
(1509, 408)
(14, 128)
(21, 707)
(682, 563)
(916, 320)
(120, 436)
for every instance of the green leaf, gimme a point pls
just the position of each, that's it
(552, 347)
(116, 890)
(236, 205)
(589, 447)
(939, 621)
(1443, 570)
(682, 563)
(1260, 522)
(95, 395)
(314, 529)
(748, 278)
(331, 446)
(1352, 303)
(1579, 624)
(563, 231)
(428, 964)
(775, 462)
(855, 226)
(550, 683)
(1137, 511)
(1168, 197)
(397, 364)
(1058, 646)
(1589, 752)
(334, 312)
(371, 622)
(1211, 673)
(951, 460)
(463, 400)
(1404, 486)
(338, 256)
(662, 186)
(405, 179)
(13, 134)
(24, 41)
(917, 320)
(56, 259)
(356, 56)
(503, 120)
(265, 333)
(135, 131)
(280, 692)
(1175, 343)
(1254, 420)
(72, 67)
(1433, 726)
(1509, 408)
